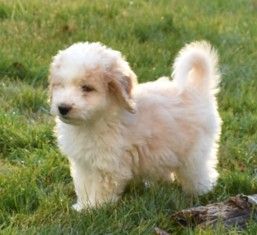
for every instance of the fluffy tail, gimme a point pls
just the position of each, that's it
(196, 65)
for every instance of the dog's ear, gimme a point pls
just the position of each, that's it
(121, 87)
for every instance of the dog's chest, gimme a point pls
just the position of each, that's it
(83, 146)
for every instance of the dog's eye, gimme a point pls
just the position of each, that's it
(56, 84)
(87, 88)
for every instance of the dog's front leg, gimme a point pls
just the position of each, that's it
(94, 188)
(85, 185)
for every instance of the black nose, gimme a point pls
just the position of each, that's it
(64, 109)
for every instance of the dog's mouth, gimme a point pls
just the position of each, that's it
(65, 119)
(69, 120)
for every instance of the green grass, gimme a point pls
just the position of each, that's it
(36, 190)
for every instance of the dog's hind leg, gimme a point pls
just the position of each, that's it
(198, 174)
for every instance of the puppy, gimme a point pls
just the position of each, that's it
(113, 129)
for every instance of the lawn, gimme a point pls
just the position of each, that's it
(36, 190)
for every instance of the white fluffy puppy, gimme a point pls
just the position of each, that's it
(113, 129)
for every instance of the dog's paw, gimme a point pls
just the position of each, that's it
(77, 207)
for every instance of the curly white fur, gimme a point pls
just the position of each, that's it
(115, 129)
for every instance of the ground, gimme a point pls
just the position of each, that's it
(36, 190)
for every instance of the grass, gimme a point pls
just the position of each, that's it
(36, 190)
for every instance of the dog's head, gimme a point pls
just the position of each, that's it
(87, 80)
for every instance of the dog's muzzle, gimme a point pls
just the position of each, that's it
(64, 109)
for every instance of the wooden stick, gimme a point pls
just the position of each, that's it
(236, 211)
